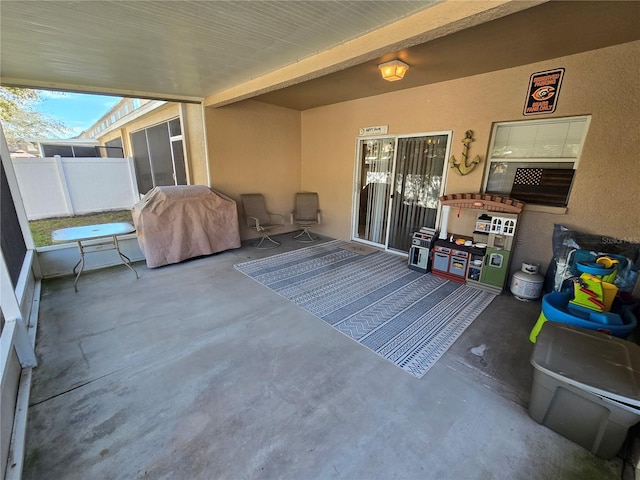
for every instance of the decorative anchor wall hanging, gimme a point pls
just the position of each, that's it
(463, 168)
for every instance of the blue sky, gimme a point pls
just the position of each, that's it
(77, 111)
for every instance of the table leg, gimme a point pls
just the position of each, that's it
(81, 263)
(126, 260)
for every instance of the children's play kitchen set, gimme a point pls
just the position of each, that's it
(482, 258)
(420, 251)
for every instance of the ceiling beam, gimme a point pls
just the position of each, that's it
(62, 87)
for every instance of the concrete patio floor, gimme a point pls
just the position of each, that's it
(195, 371)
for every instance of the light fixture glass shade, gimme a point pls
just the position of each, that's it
(393, 70)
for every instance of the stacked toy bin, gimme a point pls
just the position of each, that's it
(586, 386)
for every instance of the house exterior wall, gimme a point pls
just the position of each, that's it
(605, 198)
(164, 113)
(255, 148)
(192, 133)
(193, 141)
(119, 111)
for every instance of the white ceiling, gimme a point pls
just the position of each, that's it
(298, 54)
(176, 48)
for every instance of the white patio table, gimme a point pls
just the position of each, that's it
(108, 232)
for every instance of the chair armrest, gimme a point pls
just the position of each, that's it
(257, 227)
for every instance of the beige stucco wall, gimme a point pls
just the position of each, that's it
(194, 143)
(255, 148)
(164, 113)
(605, 198)
(112, 135)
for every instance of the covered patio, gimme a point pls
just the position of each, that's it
(197, 371)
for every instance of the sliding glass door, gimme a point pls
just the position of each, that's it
(399, 182)
(418, 183)
(374, 189)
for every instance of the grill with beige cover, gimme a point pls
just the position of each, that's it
(175, 223)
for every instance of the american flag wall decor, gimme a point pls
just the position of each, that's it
(545, 186)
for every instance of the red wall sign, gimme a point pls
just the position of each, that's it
(544, 88)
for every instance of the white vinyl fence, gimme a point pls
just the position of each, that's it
(59, 187)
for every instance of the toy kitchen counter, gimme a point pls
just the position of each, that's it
(482, 259)
(475, 264)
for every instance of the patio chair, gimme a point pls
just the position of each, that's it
(259, 218)
(306, 215)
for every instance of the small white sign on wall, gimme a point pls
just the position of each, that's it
(379, 130)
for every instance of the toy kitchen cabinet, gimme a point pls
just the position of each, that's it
(485, 263)
(495, 269)
(450, 261)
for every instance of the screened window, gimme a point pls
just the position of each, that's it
(535, 160)
(11, 238)
(80, 151)
(112, 148)
(52, 150)
(69, 151)
(158, 156)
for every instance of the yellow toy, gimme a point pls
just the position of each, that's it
(609, 263)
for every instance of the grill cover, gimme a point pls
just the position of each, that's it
(175, 223)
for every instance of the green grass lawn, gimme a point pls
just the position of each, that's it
(41, 229)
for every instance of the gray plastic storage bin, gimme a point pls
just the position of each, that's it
(586, 386)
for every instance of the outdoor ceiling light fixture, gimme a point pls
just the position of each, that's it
(393, 70)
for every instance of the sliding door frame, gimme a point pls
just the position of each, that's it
(357, 186)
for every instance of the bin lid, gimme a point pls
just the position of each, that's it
(590, 360)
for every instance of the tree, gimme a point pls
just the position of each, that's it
(21, 119)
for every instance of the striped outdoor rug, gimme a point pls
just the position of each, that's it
(405, 316)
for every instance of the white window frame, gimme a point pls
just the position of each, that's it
(571, 162)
